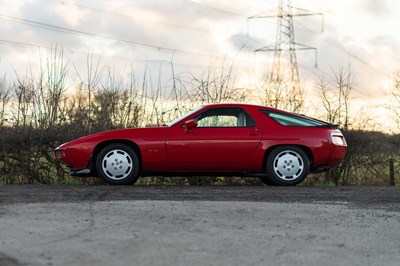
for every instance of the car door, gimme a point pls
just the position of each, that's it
(224, 139)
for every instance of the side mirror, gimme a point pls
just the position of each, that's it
(189, 125)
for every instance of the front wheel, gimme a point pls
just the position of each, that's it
(118, 164)
(287, 166)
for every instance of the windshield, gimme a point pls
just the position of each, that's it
(184, 117)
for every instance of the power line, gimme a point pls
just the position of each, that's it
(90, 34)
(130, 18)
(338, 46)
(159, 61)
(22, 44)
(219, 10)
(84, 33)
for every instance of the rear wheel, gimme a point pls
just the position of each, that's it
(287, 166)
(118, 164)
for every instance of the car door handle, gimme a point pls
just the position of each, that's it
(254, 132)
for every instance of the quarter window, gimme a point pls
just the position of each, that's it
(292, 120)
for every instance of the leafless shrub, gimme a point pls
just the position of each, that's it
(216, 85)
(41, 110)
(277, 92)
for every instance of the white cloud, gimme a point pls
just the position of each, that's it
(359, 32)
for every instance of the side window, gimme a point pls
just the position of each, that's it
(217, 121)
(225, 117)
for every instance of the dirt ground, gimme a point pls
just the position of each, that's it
(385, 197)
(170, 225)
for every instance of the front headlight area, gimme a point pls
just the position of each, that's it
(59, 154)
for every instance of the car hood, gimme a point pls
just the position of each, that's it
(126, 134)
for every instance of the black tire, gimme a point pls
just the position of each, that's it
(118, 164)
(287, 166)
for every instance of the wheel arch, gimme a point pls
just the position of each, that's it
(306, 150)
(104, 144)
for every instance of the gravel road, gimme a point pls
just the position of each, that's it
(167, 225)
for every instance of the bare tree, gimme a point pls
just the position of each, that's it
(394, 95)
(39, 96)
(179, 96)
(55, 84)
(216, 85)
(336, 96)
(118, 103)
(93, 77)
(133, 109)
(394, 108)
(282, 94)
(5, 96)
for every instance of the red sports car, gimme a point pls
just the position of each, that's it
(217, 139)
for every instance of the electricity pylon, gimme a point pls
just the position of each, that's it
(283, 89)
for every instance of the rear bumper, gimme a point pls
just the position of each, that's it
(337, 155)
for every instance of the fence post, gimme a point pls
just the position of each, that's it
(391, 177)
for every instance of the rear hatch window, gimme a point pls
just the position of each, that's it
(286, 119)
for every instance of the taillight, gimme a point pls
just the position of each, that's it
(338, 138)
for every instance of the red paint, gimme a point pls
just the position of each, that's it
(190, 148)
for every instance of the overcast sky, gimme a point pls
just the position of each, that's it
(363, 33)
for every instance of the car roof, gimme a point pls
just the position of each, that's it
(242, 105)
(256, 106)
